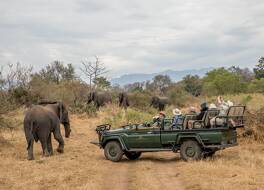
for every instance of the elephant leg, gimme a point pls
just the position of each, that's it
(58, 137)
(44, 145)
(30, 149)
(50, 149)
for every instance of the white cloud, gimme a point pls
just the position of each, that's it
(133, 36)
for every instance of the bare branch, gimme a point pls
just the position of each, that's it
(93, 70)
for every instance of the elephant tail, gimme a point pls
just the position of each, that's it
(29, 132)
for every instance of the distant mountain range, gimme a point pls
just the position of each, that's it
(141, 77)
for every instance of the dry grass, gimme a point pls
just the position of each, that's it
(83, 165)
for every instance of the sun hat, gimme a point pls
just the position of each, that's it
(162, 113)
(212, 106)
(176, 111)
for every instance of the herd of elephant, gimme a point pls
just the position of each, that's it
(101, 98)
(43, 119)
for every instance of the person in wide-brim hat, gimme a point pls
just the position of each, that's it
(176, 111)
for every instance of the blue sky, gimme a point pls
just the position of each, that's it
(133, 36)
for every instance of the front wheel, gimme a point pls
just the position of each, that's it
(113, 151)
(133, 155)
(190, 150)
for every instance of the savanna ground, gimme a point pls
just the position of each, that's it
(83, 165)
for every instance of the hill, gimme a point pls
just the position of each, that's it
(141, 77)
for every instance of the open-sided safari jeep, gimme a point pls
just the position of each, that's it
(193, 143)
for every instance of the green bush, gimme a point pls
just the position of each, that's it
(221, 81)
(140, 100)
(256, 85)
(82, 107)
(177, 95)
(118, 117)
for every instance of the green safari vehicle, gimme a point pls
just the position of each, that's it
(195, 142)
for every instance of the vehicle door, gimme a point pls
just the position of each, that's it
(168, 136)
(148, 137)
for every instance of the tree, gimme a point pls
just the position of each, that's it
(245, 74)
(137, 86)
(93, 69)
(259, 69)
(57, 72)
(192, 84)
(102, 82)
(17, 76)
(161, 82)
(2, 79)
(221, 81)
(257, 85)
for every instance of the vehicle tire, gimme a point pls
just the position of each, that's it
(113, 151)
(190, 150)
(132, 155)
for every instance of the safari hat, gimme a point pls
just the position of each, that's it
(176, 111)
(212, 106)
(162, 113)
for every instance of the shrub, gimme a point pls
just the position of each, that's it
(256, 85)
(140, 100)
(221, 81)
(177, 95)
(118, 117)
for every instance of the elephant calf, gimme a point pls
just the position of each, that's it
(42, 120)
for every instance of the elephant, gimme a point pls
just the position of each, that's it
(43, 119)
(99, 99)
(159, 102)
(123, 100)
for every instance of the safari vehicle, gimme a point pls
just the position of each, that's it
(193, 143)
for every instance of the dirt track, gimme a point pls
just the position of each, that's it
(83, 165)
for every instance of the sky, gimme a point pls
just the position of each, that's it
(133, 36)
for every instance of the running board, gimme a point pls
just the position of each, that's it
(148, 149)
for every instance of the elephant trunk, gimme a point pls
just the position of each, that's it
(67, 129)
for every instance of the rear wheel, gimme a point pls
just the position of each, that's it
(113, 151)
(190, 150)
(133, 155)
(209, 153)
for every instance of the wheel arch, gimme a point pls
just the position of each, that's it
(182, 138)
(117, 139)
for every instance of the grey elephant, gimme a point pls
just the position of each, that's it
(99, 98)
(159, 102)
(42, 120)
(123, 100)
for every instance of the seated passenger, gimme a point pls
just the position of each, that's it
(177, 118)
(223, 106)
(204, 108)
(159, 119)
